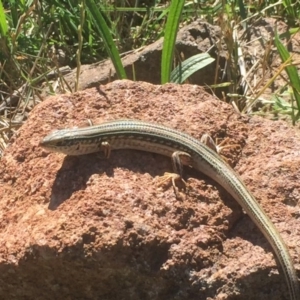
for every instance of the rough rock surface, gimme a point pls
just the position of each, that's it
(91, 228)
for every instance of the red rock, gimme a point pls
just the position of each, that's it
(91, 228)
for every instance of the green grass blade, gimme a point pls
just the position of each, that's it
(190, 66)
(3, 25)
(171, 29)
(99, 22)
(289, 9)
(292, 74)
(242, 8)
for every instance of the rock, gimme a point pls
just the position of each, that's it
(144, 64)
(91, 228)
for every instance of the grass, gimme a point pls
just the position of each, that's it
(37, 38)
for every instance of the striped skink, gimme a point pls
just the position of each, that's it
(151, 137)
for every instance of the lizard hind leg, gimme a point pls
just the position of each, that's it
(179, 159)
